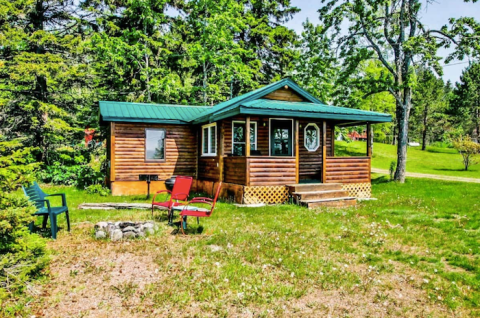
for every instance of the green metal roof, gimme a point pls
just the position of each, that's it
(149, 113)
(250, 103)
(253, 95)
(310, 110)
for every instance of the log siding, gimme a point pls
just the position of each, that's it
(128, 143)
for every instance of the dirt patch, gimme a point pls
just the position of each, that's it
(99, 280)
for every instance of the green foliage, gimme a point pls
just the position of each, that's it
(43, 72)
(77, 166)
(17, 164)
(22, 255)
(97, 189)
(429, 120)
(466, 101)
(393, 166)
(469, 150)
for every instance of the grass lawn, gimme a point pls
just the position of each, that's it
(412, 253)
(442, 161)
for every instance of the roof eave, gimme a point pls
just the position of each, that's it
(145, 120)
(317, 115)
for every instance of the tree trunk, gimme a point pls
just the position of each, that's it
(424, 130)
(394, 132)
(403, 113)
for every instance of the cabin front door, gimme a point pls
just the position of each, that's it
(281, 136)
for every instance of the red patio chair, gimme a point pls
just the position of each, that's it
(178, 195)
(198, 212)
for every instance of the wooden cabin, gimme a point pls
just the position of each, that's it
(269, 145)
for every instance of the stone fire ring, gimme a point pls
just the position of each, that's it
(124, 230)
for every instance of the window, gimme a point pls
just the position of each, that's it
(312, 137)
(281, 137)
(155, 144)
(209, 140)
(239, 135)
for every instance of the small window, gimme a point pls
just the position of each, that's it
(239, 135)
(209, 140)
(154, 144)
(312, 137)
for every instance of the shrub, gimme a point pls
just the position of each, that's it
(76, 166)
(22, 255)
(98, 189)
(393, 167)
(468, 149)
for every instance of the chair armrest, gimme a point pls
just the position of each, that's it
(64, 199)
(174, 196)
(44, 201)
(202, 198)
(198, 201)
(161, 191)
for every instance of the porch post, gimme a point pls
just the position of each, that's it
(297, 151)
(247, 136)
(112, 152)
(369, 140)
(324, 152)
(247, 151)
(221, 151)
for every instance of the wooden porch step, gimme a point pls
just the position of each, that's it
(315, 195)
(332, 202)
(311, 187)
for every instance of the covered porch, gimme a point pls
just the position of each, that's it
(300, 165)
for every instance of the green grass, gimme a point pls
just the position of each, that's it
(417, 247)
(441, 161)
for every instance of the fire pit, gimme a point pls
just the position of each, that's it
(124, 230)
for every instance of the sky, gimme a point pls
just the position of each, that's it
(434, 16)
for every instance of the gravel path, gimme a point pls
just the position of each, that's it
(430, 176)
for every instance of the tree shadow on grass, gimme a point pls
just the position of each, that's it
(380, 180)
(446, 169)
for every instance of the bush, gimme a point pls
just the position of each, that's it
(468, 149)
(76, 166)
(22, 255)
(98, 189)
(393, 167)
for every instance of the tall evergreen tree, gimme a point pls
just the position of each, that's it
(429, 104)
(43, 71)
(467, 100)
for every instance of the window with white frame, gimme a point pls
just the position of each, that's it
(154, 144)
(209, 140)
(239, 137)
(312, 137)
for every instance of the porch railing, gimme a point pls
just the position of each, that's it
(259, 171)
(347, 170)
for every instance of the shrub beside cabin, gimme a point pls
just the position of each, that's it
(258, 144)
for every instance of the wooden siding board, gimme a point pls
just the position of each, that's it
(285, 94)
(348, 170)
(128, 152)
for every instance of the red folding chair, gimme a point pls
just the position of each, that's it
(198, 212)
(178, 195)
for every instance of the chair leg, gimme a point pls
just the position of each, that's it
(44, 224)
(152, 211)
(183, 224)
(53, 226)
(68, 220)
(198, 221)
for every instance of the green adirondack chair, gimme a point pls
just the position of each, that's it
(36, 195)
